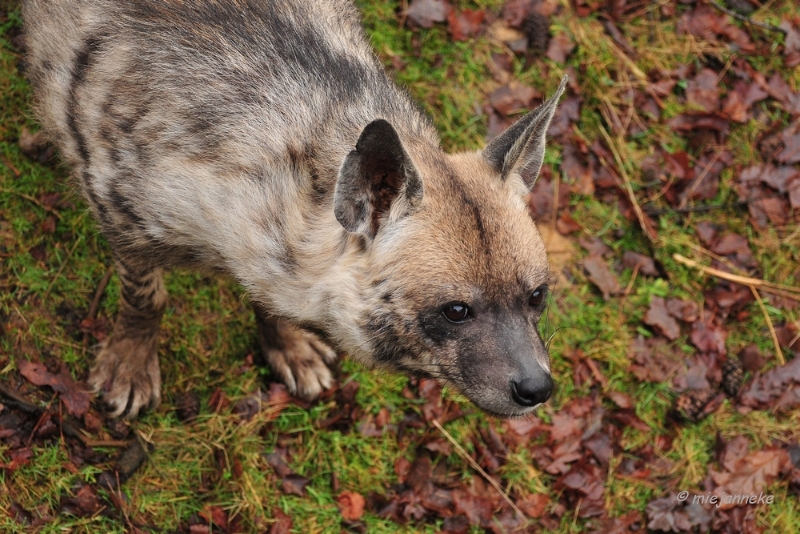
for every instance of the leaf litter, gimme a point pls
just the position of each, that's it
(580, 445)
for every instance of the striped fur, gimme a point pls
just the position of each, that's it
(221, 135)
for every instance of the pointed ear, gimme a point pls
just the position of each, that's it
(520, 149)
(375, 177)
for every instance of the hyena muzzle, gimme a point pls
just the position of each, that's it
(262, 139)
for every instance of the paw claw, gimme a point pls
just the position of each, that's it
(300, 360)
(127, 377)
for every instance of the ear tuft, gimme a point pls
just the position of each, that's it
(520, 149)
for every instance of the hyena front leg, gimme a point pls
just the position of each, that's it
(296, 356)
(126, 371)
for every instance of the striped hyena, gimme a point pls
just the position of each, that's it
(263, 139)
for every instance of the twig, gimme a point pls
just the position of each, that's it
(692, 209)
(95, 305)
(643, 222)
(403, 13)
(794, 339)
(633, 279)
(778, 351)
(38, 424)
(10, 166)
(30, 199)
(748, 20)
(769, 287)
(478, 468)
(699, 180)
(101, 288)
(88, 442)
(722, 259)
(61, 269)
(16, 400)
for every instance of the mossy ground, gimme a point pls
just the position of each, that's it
(208, 328)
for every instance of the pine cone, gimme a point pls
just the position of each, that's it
(732, 374)
(187, 407)
(691, 405)
(537, 29)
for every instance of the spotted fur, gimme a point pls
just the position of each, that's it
(262, 139)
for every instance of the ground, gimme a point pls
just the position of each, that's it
(669, 203)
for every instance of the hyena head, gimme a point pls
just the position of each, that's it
(457, 270)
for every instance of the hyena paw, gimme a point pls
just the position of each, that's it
(300, 361)
(127, 377)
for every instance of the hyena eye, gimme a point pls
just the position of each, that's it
(456, 312)
(537, 297)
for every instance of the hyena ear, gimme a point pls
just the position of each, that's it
(520, 149)
(375, 178)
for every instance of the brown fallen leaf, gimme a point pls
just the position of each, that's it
(98, 327)
(520, 431)
(778, 388)
(19, 457)
(559, 48)
(576, 169)
(294, 485)
(702, 92)
(515, 12)
(84, 503)
(669, 514)
(659, 318)
(351, 505)
(477, 509)
(708, 336)
(465, 24)
(683, 310)
(731, 452)
(419, 473)
(687, 123)
(75, 398)
(584, 484)
(791, 145)
(276, 461)
(534, 505)
(735, 105)
(565, 224)
(513, 98)
(567, 114)
(645, 264)
(752, 359)
(425, 13)
(282, 524)
(749, 476)
(563, 454)
(654, 360)
(215, 515)
(601, 276)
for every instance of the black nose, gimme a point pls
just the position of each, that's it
(531, 391)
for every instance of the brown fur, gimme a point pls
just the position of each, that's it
(262, 139)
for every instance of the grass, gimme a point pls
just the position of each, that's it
(208, 328)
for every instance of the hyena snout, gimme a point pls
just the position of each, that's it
(534, 387)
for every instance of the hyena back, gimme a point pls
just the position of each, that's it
(262, 139)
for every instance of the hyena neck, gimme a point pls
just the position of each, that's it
(320, 283)
(323, 274)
